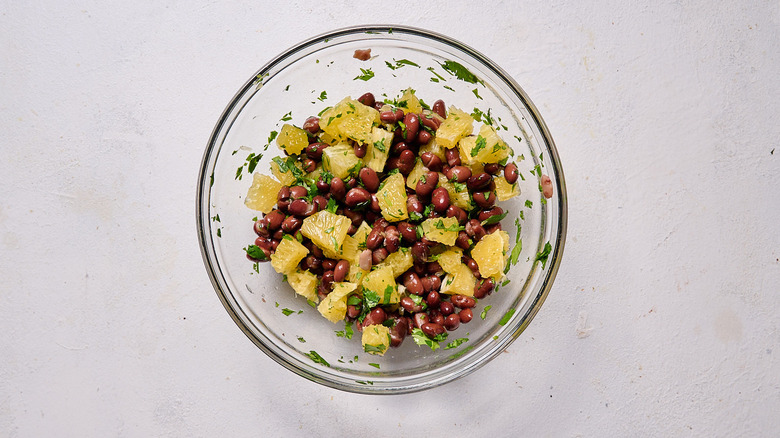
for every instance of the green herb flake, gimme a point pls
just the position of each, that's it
(483, 315)
(449, 88)
(543, 254)
(255, 252)
(494, 219)
(375, 365)
(529, 203)
(481, 143)
(461, 72)
(287, 117)
(347, 332)
(287, 312)
(301, 340)
(367, 74)
(420, 338)
(476, 93)
(323, 96)
(456, 343)
(313, 355)
(507, 316)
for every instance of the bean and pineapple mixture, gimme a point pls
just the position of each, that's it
(384, 216)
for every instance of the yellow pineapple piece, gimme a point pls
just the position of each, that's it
(459, 193)
(399, 261)
(286, 177)
(489, 253)
(288, 254)
(361, 234)
(442, 230)
(378, 149)
(409, 103)
(326, 230)
(417, 172)
(392, 198)
(504, 190)
(375, 339)
(261, 195)
(292, 139)
(356, 275)
(349, 119)
(303, 283)
(381, 282)
(461, 282)
(486, 147)
(349, 251)
(435, 148)
(450, 260)
(334, 306)
(457, 125)
(339, 159)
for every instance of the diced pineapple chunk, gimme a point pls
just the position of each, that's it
(378, 149)
(292, 139)
(399, 261)
(375, 339)
(457, 125)
(285, 177)
(334, 306)
(442, 230)
(349, 251)
(326, 230)
(356, 274)
(489, 254)
(417, 172)
(504, 190)
(288, 254)
(303, 283)
(339, 159)
(261, 196)
(435, 148)
(381, 283)
(349, 119)
(461, 282)
(409, 103)
(459, 193)
(361, 234)
(450, 260)
(392, 198)
(486, 147)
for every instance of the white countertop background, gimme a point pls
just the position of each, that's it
(665, 316)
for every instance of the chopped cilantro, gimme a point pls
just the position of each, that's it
(301, 340)
(529, 203)
(461, 72)
(287, 117)
(367, 74)
(483, 315)
(375, 365)
(255, 252)
(495, 218)
(323, 96)
(456, 343)
(507, 316)
(287, 312)
(476, 93)
(420, 338)
(543, 254)
(481, 143)
(347, 332)
(313, 355)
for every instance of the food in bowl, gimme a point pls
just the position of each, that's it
(383, 214)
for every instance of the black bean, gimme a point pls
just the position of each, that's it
(433, 329)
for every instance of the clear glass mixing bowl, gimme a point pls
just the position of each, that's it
(301, 82)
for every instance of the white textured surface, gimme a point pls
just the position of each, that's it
(664, 320)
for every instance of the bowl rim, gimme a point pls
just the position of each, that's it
(559, 234)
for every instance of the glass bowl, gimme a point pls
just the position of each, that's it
(301, 82)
